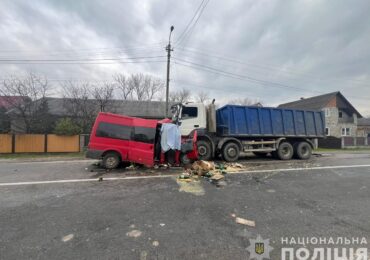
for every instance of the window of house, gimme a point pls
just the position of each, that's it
(346, 131)
(340, 114)
(327, 112)
(327, 131)
(189, 112)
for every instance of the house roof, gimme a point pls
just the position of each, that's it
(8, 102)
(363, 122)
(144, 109)
(318, 103)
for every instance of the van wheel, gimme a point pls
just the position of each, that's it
(285, 151)
(204, 150)
(303, 150)
(111, 160)
(230, 152)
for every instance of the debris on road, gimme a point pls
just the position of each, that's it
(134, 233)
(155, 243)
(244, 221)
(67, 237)
(202, 167)
(192, 186)
(214, 172)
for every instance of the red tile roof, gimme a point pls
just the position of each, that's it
(8, 102)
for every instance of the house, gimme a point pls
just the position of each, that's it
(340, 115)
(363, 127)
(8, 102)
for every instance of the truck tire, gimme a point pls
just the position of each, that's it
(303, 150)
(230, 152)
(204, 150)
(111, 160)
(285, 151)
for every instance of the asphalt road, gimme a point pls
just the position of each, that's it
(158, 218)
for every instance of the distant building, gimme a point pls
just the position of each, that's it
(340, 115)
(363, 127)
(8, 102)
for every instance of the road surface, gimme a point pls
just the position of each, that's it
(151, 217)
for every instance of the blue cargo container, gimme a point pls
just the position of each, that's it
(244, 121)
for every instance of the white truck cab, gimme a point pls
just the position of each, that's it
(193, 116)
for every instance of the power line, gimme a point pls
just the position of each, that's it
(246, 78)
(265, 67)
(72, 60)
(191, 20)
(188, 32)
(86, 63)
(85, 49)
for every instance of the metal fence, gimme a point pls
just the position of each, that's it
(344, 142)
(39, 143)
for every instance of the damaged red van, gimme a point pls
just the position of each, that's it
(122, 139)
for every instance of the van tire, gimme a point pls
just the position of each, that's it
(204, 150)
(303, 150)
(111, 160)
(285, 151)
(230, 152)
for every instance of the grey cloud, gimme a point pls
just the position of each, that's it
(319, 46)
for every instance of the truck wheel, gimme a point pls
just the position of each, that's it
(204, 150)
(111, 160)
(303, 150)
(285, 151)
(230, 152)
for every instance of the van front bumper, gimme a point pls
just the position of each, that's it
(94, 154)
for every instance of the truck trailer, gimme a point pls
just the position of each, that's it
(233, 129)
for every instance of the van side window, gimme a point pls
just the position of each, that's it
(144, 134)
(114, 131)
(189, 112)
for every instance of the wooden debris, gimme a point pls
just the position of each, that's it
(246, 222)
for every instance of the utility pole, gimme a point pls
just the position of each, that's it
(168, 49)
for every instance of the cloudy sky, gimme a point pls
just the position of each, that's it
(268, 50)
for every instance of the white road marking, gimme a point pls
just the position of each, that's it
(312, 168)
(172, 175)
(47, 162)
(84, 180)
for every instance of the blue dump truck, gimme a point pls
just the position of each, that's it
(233, 129)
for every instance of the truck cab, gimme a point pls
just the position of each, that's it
(193, 116)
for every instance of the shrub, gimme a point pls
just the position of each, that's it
(65, 126)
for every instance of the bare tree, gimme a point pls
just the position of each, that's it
(145, 87)
(78, 104)
(202, 96)
(32, 112)
(154, 86)
(123, 85)
(180, 96)
(103, 93)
